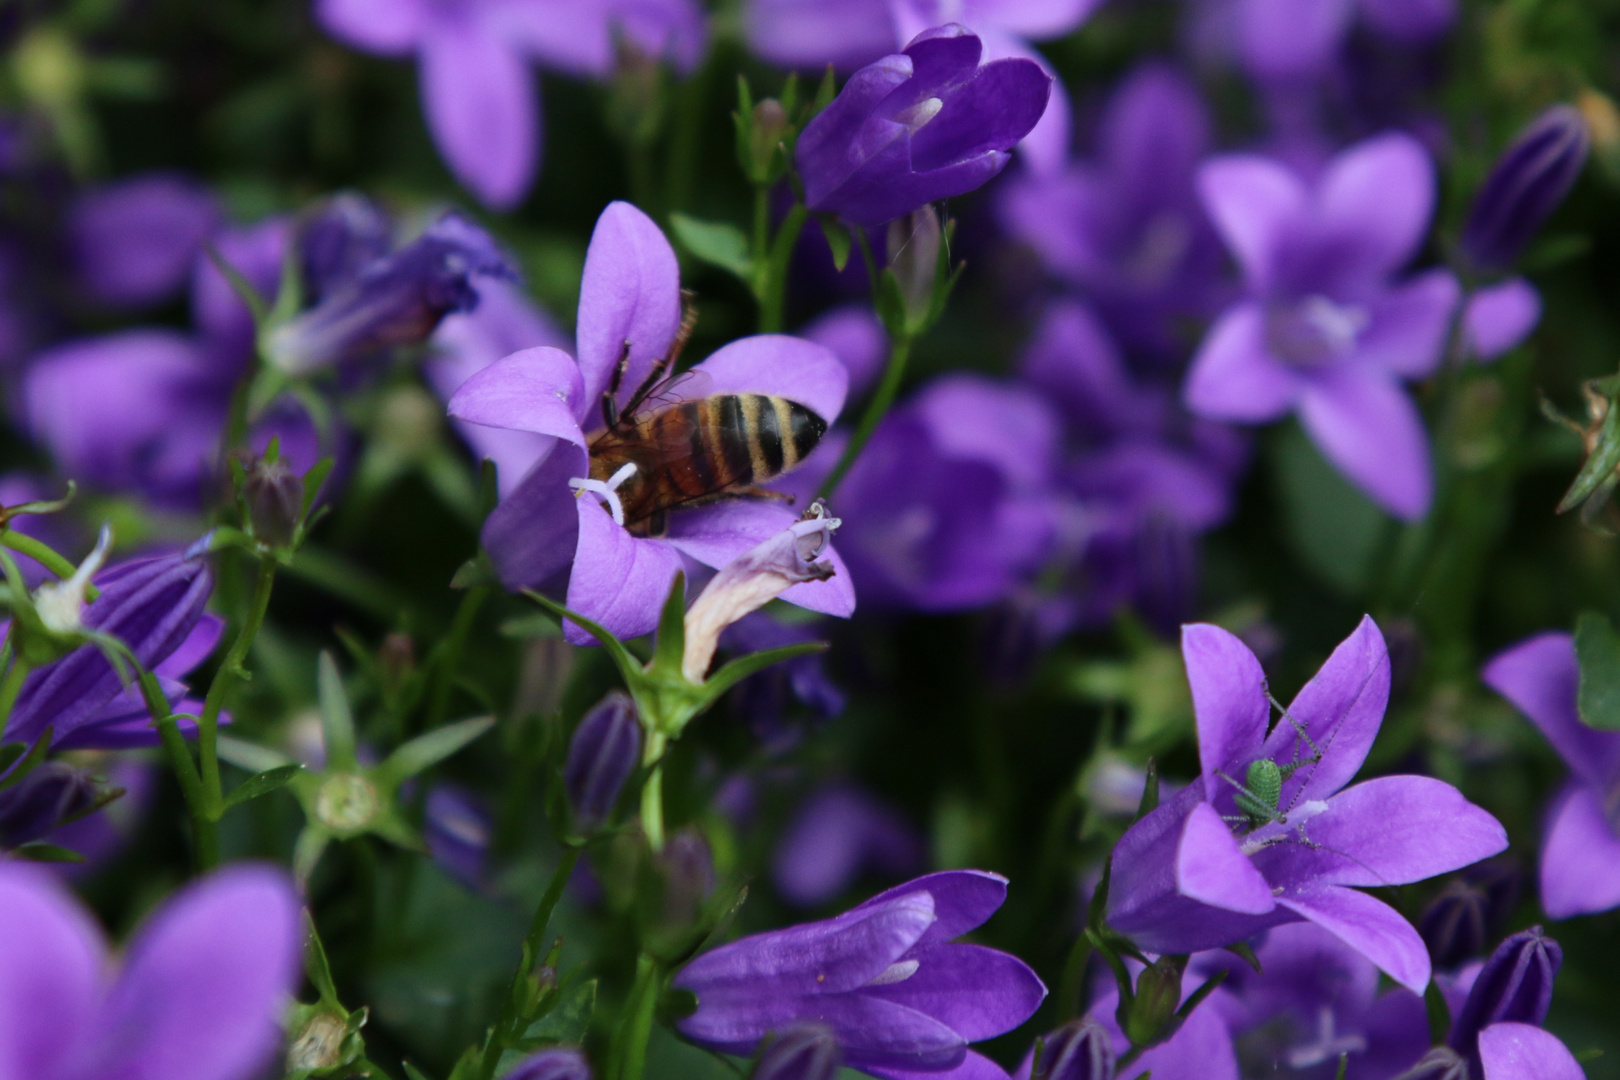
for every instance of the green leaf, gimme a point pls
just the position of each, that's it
(891, 304)
(239, 284)
(36, 754)
(337, 722)
(568, 1019)
(262, 783)
(838, 238)
(672, 627)
(1597, 648)
(1246, 954)
(40, 851)
(529, 627)
(474, 572)
(315, 965)
(1336, 530)
(744, 666)
(715, 242)
(1439, 1013)
(313, 479)
(629, 667)
(9, 753)
(1601, 464)
(1150, 792)
(430, 749)
(251, 756)
(412, 1072)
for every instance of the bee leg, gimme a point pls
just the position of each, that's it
(662, 365)
(610, 396)
(610, 410)
(657, 524)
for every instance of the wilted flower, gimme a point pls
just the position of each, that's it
(603, 753)
(1580, 849)
(197, 995)
(1326, 331)
(898, 998)
(924, 124)
(1526, 185)
(1186, 879)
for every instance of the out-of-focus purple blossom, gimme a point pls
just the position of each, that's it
(504, 322)
(1125, 225)
(102, 836)
(764, 699)
(840, 833)
(197, 995)
(856, 336)
(557, 1063)
(556, 530)
(849, 34)
(1459, 922)
(1290, 40)
(479, 94)
(686, 869)
(603, 753)
(953, 501)
(1515, 986)
(1580, 848)
(50, 796)
(338, 242)
(457, 826)
(1521, 1052)
(133, 243)
(1326, 329)
(1184, 880)
(156, 607)
(923, 124)
(898, 997)
(1500, 317)
(1080, 1050)
(395, 299)
(804, 1052)
(1526, 185)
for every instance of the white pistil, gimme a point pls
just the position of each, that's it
(60, 603)
(608, 490)
(895, 973)
(919, 114)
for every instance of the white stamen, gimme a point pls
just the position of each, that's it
(1339, 324)
(919, 114)
(895, 973)
(1327, 1045)
(60, 603)
(608, 490)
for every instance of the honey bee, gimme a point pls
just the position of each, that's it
(690, 448)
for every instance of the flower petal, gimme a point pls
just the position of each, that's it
(1341, 708)
(479, 98)
(202, 988)
(536, 390)
(1541, 676)
(1290, 39)
(1392, 831)
(1378, 196)
(1255, 203)
(1580, 856)
(1368, 427)
(781, 366)
(973, 1067)
(629, 297)
(1234, 376)
(1371, 927)
(51, 974)
(977, 992)
(1407, 333)
(715, 535)
(1525, 1052)
(963, 901)
(390, 27)
(1229, 700)
(619, 580)
(1500, 317)
(1211, 869)
(532, 533)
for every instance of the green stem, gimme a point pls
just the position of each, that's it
(630, 1048)
(44, 555)
(762, 242)
(451, 648)
(11, 685)
(879, 406)
(652, 791)
(205, 834)
(781, 250)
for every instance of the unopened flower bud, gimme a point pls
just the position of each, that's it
(913, 248)
(1516, 985)
(1158, 995)
(807, 1052)
(1459, 921)
(1526, 185)
(318, 1043)
(275, 501)
(603, 753)
(52, 794)
(1082, 1050)
(753, 579)
(555, 1063)
(685, 869)
(396, 659)
(765, 133)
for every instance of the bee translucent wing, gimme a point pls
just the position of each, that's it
(686, 386)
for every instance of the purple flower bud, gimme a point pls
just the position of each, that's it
(395, 300)
(275, 501)
(1441, 1063)
(807, 1052)
(557, 1063)
(1460, 921)
(53, 793)
(1515, 986)
(1528, 182)
(923, 124)
(456, 825)
(154, 606)
(1082, 1050)
(603, 753)
(686, 866)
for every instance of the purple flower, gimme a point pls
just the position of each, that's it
(923, 124)
(51, 795)
(473, 59)
(839, 833)
(1580, 849)
(901, 1001)
(558, 1063)
(156, 607)
(1200, 1050)
(763, 699)
(806, 1052)
(556, 530)
(393, 299)
(1125, 225)
(604, 751)
(1526, 185)
(1282, 40)
(197, 995)
(1326, 331)
(1204, 871)
(457, 827)
(134, 242)
(1500, 317)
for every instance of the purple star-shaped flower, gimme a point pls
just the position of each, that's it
(1199, 872)
(903, 1002)
(1327, 330)
(1580, 852)
(473, 58)
(551, 533)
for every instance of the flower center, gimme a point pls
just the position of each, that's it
(1315, 331)
(346, 803)
(1327, 1046)
(607, 490)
